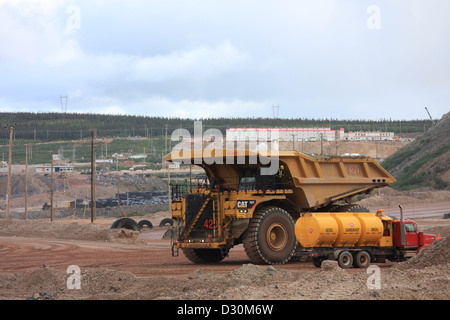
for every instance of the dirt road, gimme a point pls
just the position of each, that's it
(154, 258)
(123, 264)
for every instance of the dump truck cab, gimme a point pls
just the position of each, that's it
(254, 198)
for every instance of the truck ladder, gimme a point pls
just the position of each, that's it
(188, 230)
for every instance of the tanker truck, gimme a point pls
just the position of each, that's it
(242, 200)
(355, 239)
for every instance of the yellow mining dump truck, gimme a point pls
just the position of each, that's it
(254, 198)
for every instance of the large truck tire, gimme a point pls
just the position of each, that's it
(205, 255)
(166, 221)
(270, 237)
(345, 260)
(143, 223)
(361, 259)
(126, 223)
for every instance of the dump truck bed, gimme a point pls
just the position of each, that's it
(315, 181)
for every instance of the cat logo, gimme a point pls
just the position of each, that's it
(248, 204)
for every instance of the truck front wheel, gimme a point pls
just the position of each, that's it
(270, 237)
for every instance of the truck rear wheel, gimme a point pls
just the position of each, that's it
(205, 255)
(362, 259)
(270, 237)
(345, 260)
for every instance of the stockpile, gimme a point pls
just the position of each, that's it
(57, 230)
(437, 253)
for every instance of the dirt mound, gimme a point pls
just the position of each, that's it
(36, 184)
(47, 283)
(257, 274)
(437, 253)
(425, 161)
(388, 197)
(248, 282)
(75, 231)
(43, 279)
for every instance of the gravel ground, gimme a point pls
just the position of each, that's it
(423, 277)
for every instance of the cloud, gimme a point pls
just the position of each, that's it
(205, 59)
(198, 62)
(198, 109)
(32, 31)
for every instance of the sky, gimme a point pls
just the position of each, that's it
(338, 59)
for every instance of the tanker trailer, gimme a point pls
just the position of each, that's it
(239, 202)
(358, 238)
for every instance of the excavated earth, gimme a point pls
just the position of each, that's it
(37, 259)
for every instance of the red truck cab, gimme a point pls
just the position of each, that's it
(413, 239)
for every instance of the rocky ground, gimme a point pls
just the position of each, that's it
(427, 277)
(424, 277)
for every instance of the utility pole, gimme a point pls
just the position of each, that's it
(51, 188)
(165, 150)
(431, 118)
(8, 202)
(26, 182)
(321, 144)
(93, 204)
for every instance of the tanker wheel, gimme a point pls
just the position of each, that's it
(317, 262)
(362, 259)
(270, 237)
(205, 255)
(345, 260)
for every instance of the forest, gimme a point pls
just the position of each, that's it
(52, 126)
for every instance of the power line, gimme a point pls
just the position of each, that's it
(275, 110)
(64, 103)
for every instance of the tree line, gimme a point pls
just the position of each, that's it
(53, 126)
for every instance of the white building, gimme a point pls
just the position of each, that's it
(369, 136)
(304, 134)
(104, 161)
(284, 134)
(56, 168)
(137, 156)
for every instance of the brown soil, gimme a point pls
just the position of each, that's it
(122, 264)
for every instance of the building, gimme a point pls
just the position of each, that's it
(285, 134)
(137, 156)
(304, 134)
(104, 161)
(56, 168)
(369, 136)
